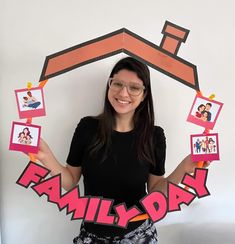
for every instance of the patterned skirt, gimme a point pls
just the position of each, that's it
(144, 234)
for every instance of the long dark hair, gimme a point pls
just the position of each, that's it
(143, 117)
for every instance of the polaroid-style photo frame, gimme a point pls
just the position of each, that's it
(30, 102)
(204, 112)
(25, 137)
(204, 147)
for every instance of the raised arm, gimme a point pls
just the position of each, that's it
(159, 183)
(69, 175)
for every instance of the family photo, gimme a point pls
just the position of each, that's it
(30, 103)
(24, 137)
(204, 147)
(204, 112)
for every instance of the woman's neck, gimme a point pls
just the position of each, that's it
(124, 123)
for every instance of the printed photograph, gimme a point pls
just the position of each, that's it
(204, 147)
(204, 112)
(25, 137)
(30, 103)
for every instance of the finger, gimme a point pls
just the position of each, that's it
(206, 164)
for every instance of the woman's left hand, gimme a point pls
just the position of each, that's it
(189, 166)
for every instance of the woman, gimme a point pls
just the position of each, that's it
(26, 131)
(200, 110)
(118, 153)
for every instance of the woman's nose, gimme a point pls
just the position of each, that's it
(124, 91)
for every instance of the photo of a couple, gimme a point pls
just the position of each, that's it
(203, 112)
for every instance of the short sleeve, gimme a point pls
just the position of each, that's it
(78, 145)
(159, 145)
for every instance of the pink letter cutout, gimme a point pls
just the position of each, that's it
(197, 182)
(71, 199)
(91, 211)
(50, 187)
(74, 203)
(177, 196)
(103, 214)
(155, 205)
(125, 215)
(33, 173)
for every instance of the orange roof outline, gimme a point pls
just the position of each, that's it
(162, 58)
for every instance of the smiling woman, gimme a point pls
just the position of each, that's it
(118, 153)
(126, 92)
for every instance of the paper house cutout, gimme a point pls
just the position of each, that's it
(162, 58)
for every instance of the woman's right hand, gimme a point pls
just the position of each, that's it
(44, 150)
(69, 175)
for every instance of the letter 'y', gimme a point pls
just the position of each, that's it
(197, 182)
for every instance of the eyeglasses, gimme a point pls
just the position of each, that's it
(133, 88)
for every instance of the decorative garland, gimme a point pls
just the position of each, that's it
(25, 136)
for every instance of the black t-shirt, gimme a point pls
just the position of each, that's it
(121, 176)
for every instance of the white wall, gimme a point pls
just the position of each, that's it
(31, 30)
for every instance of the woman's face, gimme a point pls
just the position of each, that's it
(25, 131)
(202, 108)
(122, 102)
